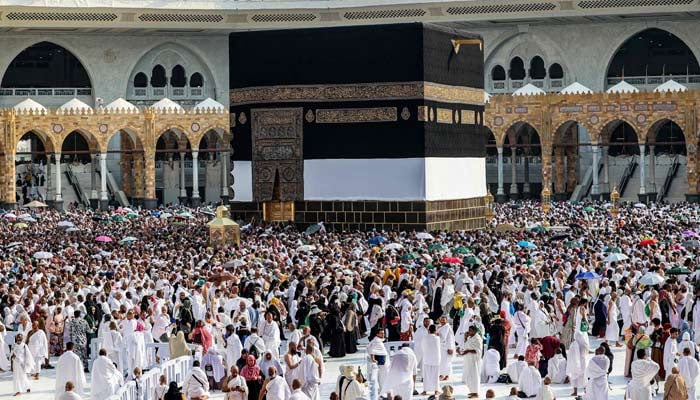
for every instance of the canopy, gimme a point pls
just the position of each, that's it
(165, 104)
(576, 88)
(75, 105)
(209, 104)
(622, 87)
(121, 105)
(29, 105)
(35, 204)
(528, 90)
(670, 86)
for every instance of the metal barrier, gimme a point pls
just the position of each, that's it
(174, 370)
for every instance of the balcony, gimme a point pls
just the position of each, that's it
(650, 82)
(48, 97)
(509, 86)
(174, 93)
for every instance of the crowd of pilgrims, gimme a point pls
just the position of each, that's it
(517, 304)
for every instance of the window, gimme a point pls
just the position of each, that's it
(158, 76)
(556, 72)
(537, 69)
(178, 78)
(196, 80)
(45, 65)
(498, 73)
(140, 80)
(517, 69)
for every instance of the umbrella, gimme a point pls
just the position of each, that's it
(13, 245)
(224, 276)
(132, 215)
(424, 236)
(65, 224)
(462, 250)
(208, 212)
(589, 209)
(165, 215)
(690, 234)
(526, 245)
(647, 242)
(120, 211)
(184, 214)
(651, 279)
(640, 205)
(612, 250)
(506, 228)
(306, 247)
(103, 239)
(409, 256)
(21, 225)
(28, 219)
(128, 240)
(538, 229)
(679, 271)
(574, 244)
(588, 275)
(313, 229)
(615, 257)
(691, 244)
(118, 218)
(472, 260)
(9, 216)
(451, 260)
(73, 229)
(43, 255)
(437, 246)
(35, 204)
(234, 263)
(376, 240)
(155, 214)
(393, 246)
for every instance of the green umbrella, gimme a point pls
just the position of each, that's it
(472, 260)
(613, 250)
(679, 271)
(312, 229)
(462, 250)
(437, 246)
(538, 229)
(118, 218)
(409, 257)
(589, 209)
(574, 244)
(132, 215)
(128, 240)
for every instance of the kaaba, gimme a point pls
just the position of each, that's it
(362, 127)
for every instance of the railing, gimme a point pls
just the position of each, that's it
(167, 91)
(654, 79)
(75, 184)
(67, 92)
(174, 370)
(669, 179)
(627, 175)
(545, 84)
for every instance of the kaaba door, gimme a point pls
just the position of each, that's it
(278, 162)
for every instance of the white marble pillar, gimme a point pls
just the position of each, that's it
(183, 186)
(651, 187)
(642, 171)
(103, 177)
(57, 175)
(500, 171)
(606, 169)
(223, 157)
(93, 176)
(514, 174)
(595, 189)
(195, 177)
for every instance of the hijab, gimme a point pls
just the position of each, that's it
(173, 392)
(250, 372)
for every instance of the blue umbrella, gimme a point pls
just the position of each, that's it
(526, 245)
(588, 275)
(155, 214)
(376, 240)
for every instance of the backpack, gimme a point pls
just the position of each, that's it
(254, 350)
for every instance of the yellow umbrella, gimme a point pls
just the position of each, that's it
(21, 225)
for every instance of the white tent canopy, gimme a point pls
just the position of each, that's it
(120, 104)
(29, 104)
(670, 86)
(75, 104)
(622, 87)
(166, 104)
(576, 88)
(528, 90)
(209, 104)
(487, 97)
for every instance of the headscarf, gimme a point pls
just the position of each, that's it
(173, 392)
(250, 372)
(178, 346)
(265, 364)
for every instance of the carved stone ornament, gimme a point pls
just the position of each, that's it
(103, 128)
(310, 117)
(405, 114)
(242, 118)
(195, 127)
(57, 128)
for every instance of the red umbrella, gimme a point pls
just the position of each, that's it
(451, 260)
(647, 242)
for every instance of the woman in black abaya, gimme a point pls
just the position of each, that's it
(336, 333)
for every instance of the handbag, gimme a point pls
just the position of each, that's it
(584, 326)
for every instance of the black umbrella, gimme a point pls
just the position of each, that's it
(559, 236)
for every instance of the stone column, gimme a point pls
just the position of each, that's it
(126, 169)
(571, 171)
(195, 179)
(560, 174)
(8, 194)
(605, 192)
(93, 181)
(58, 200)
(691, 167)
(642, 174)
(595, 189)
(651, 186)
(150, 201)
(526, 174)
(183, 188)
(514, 176)
(546, 168)
(223, 158)
(500, 194)
(104, 198)
(139, 179)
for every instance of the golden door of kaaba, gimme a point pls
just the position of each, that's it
(278, 162)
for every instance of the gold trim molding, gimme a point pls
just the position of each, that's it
(358, 92)
(356, 115)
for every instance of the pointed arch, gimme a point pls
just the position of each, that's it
(46, 65)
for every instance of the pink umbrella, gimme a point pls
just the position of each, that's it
(690, 234)
(103, 239)
(120, 211)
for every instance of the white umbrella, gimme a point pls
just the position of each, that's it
(65, 224)
(73, 229)
(393, 246)
(306, 247)
(424, 236)
(651, 279)
(28, 219)
(234, 263)
(640, 205)
(615, 257)
(43, 255)
(13, 245)
(9, 216)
